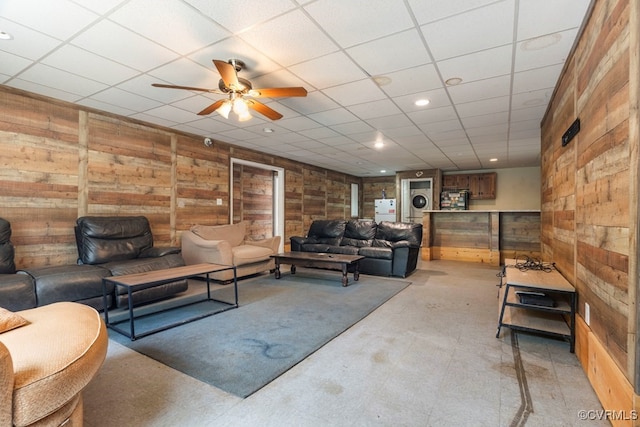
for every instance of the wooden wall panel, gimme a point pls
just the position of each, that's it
(588, 206)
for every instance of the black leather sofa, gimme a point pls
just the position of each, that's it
(389, 248)
(107, 246)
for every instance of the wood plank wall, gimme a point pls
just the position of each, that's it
(587, 186)
(60, 161)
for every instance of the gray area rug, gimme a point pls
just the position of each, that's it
(278, 324)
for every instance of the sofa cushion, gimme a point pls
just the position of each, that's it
(359, 233)
(54, 357)
(105, 239)
(326, 231)
(376, 252)
(17, 291)
(7, 265)
(10, 320)
(344, 250)
(397, 231)
(232, 233)
(316, 247)
(247, 254)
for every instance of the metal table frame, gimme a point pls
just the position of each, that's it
(139, 281)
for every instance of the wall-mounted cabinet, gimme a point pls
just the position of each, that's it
(480, 185)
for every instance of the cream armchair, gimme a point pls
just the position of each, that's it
(228, 245)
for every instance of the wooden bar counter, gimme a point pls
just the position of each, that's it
(485, 236)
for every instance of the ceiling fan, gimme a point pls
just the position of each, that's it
(238, 88)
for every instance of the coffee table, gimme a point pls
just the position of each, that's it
(319, 260)
(138, 281)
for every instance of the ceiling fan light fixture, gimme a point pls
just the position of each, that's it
(244, 116)
(225, 109)
(240, 107)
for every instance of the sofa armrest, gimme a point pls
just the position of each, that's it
(272, 243)
(401, 244)
(156, 252)
(6, 387)
(196, 250)
(297, 242)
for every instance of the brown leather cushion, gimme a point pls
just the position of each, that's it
(54, 357)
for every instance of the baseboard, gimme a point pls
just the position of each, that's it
(613, 389)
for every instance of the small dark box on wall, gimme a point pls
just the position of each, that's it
(571, 132)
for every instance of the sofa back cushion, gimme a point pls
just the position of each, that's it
(105, 239)
(7, 264)
(326, 231)
(232, 233)
(359, 233)
(388, 231)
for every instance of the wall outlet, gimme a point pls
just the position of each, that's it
(587, 313)
(219, 202)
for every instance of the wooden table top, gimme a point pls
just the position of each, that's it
(173, 273)
(318, 256)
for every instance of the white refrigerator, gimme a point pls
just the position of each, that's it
(385, 210)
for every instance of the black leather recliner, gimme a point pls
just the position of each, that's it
(124, 245)
(389, 248)
(17, 291)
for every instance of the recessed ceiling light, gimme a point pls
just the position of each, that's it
(493, 160)
(383, 171)
(5, 36)
(379, 144)
(422, 102)
(453, 81)
(268, 130)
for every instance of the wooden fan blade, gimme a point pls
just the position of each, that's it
(211, 108)
(276, 92)
(183, 87)
(228, 74)
(263, 109)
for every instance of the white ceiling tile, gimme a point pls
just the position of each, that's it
(62, 80)
(479, 108)
(123, 99)
(333, 117)
(546, 50)
(106, 106)
(240, 15)
(478, 66)
(185, 72)
(329, 70)
(471, 31)
(389, 122)
(89, 65)
(418, 79)
(433, 115)
(433, 10)
(393, 53)
(367, 110)
(293, 45)
(534, 18)
(536, 79)
(482, 89)
(352, 127)
(531, 99)
(312, 103)
(12, 64)
(38, 15)
(25, 42)
(438, 98)
(355, 93)
(357, 21)
(121, 45)
(44, 90)
(485, 120)
(172, 24)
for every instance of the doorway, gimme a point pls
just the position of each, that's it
(417, 196)
(257, 196)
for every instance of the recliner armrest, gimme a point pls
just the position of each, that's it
(156, 252)
(272, 243)
(297, 242)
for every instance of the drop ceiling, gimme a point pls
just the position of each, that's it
(363, 62)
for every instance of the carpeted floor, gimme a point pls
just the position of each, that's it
(278, 324)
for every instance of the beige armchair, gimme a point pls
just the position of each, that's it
(228, 245)
(47, 356)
